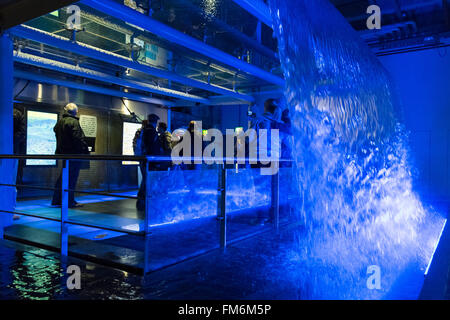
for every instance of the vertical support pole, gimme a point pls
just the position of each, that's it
(170, 68)
(64, 208)
(7, 194)
(3, 216)
(219, 192)
(169, 119)
(150, 10)
(147, 219)
(275, 200)
(74, 35)
(222, 205)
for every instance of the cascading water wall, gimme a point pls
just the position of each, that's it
(352, 159)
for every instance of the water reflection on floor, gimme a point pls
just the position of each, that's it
(256, 268)
(239, 273)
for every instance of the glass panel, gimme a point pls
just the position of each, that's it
(289, 194)
(103, 190)
(182, 208)
(36, 193)
(33, 197)
(248, 198)
(116, 36)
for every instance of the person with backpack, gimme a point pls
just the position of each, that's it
(165, 139)
(138, 144)
(150, 146)
(19, 142)
(269, 120)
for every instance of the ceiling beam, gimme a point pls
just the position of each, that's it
(140, 20)
(40, 78)
(115, 59)
(257, 9)
(66, 68)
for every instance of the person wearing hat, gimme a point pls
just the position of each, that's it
(152, 146)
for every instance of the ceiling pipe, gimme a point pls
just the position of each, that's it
(66, 68)
(133, 17)
(115, 59)
(40, 78)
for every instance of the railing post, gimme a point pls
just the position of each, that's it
(147, 219)
(222, 214)
(275, 199)
(64, 208)
(219, 192)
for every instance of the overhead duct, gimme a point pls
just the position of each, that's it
(91, 88)
(115, 59)
(99, 76)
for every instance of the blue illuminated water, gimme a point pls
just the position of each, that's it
(352, 160)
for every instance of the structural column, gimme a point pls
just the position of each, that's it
(7, 176)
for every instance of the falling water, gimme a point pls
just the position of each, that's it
(352, 160)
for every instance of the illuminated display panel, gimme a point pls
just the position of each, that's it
(40, 136)
(129, 130)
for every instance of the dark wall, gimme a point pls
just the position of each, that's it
(422, 80)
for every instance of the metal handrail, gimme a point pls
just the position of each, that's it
(76, 223)
(72, 157)
(145, 233)
(97, 157)
(64, 219)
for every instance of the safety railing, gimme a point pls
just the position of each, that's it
(65, 221)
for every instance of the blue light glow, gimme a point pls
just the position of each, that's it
(352, 158)
(434, 251)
